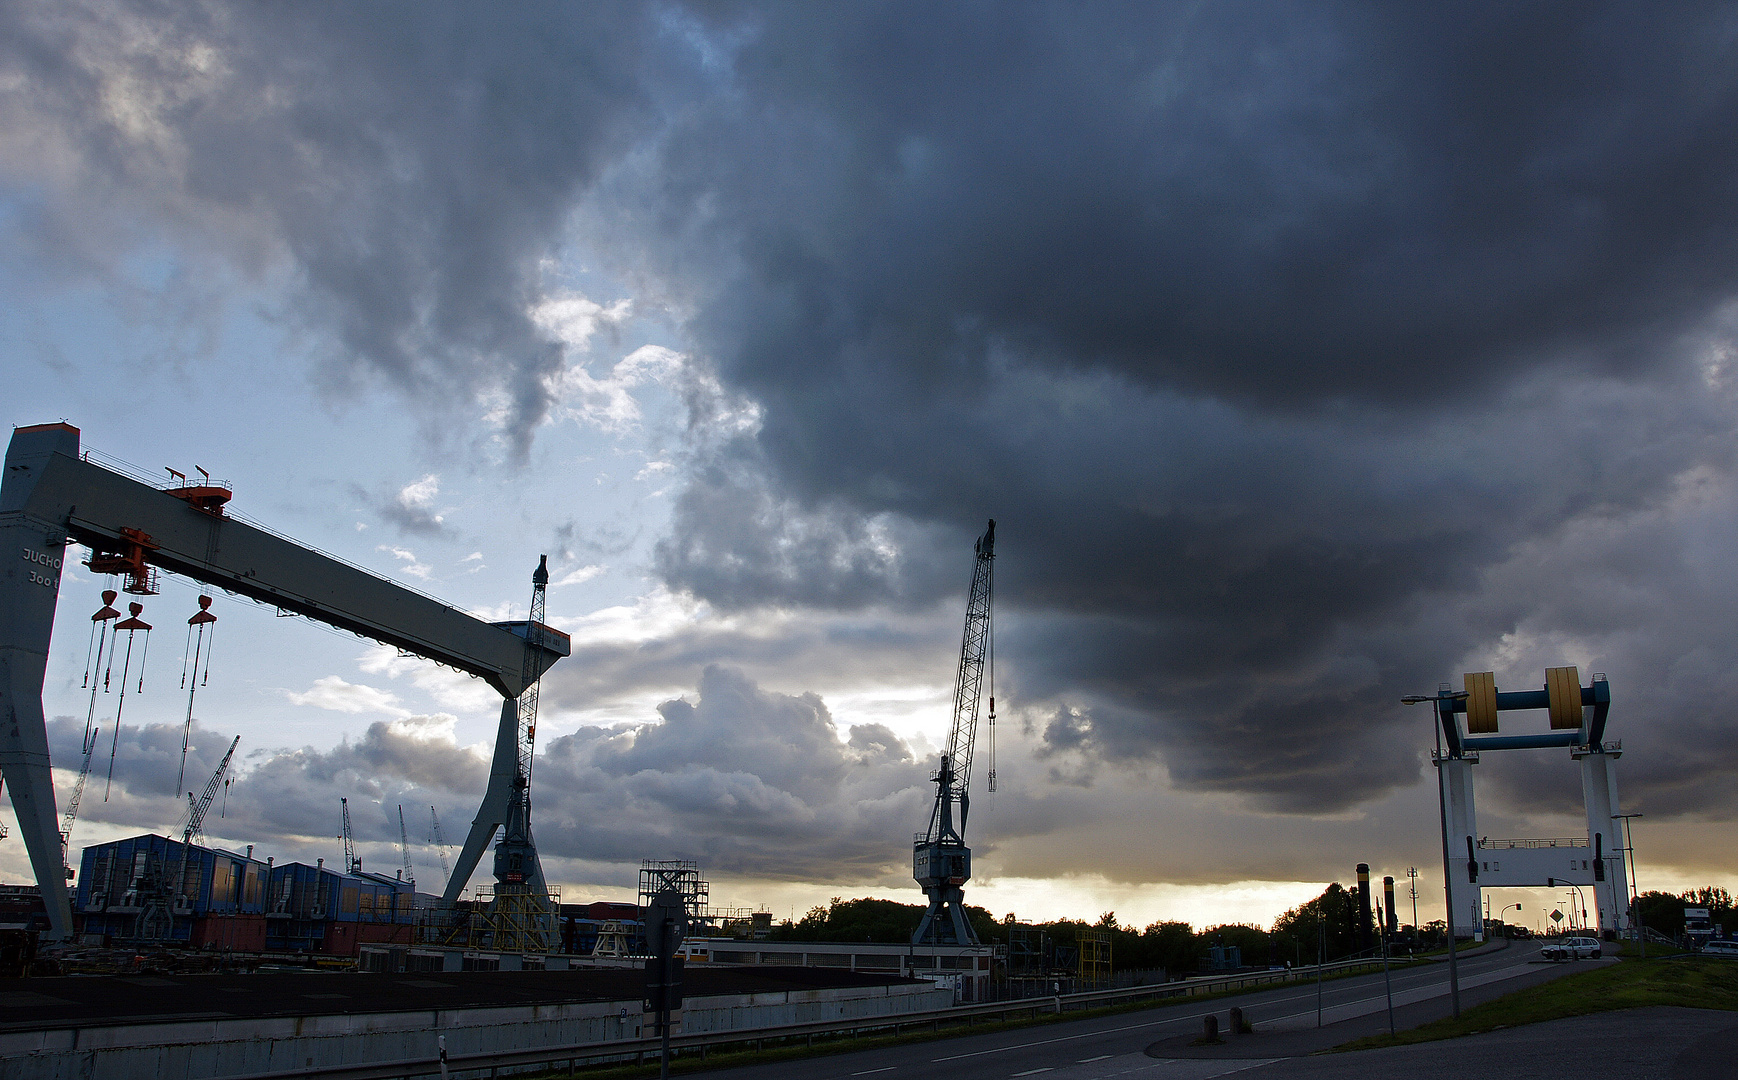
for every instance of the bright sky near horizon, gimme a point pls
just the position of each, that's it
(1306, 358)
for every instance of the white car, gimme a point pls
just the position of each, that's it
(1727, 949)
(1574, 948)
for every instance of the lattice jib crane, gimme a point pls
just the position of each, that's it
(72, 804)
(404, 849)
(440, 845)
(941, 861)
(196, 819)
(532, 673)
(157, 919)
(352, 865)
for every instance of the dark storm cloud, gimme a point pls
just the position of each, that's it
(1267, 331)
(1276, 336)
(403, 168)
(276, 792)
(747, 780)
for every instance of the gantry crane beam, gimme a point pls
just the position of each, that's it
(50, 498)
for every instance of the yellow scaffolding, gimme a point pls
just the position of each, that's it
(1094, 958)
(515, 919)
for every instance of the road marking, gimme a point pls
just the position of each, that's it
(1069, 1038)
(1033, 1072)
(1195, 1018)
(1407, 997)
(884, 1068)
(1089, 1061)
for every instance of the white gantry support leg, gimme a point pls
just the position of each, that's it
(1605, 836)
(1465, 896)
(492, 814)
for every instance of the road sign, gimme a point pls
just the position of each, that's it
(666, 922)
(663, 993)
(1556, 916)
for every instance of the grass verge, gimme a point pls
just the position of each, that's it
(1631, 984)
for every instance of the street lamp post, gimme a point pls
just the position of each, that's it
(1443, 692)
(1500, 914)
(1412, 887)
(1634, 892)
(1583, 901)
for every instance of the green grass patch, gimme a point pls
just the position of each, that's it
(1631, 984)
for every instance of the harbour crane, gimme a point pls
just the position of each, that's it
(516, 859)
(440, 845)
(941, 861)
(66, 823)
(404, 849)
(506, 809)
(352, 865)
(197, 810)
(157, 920)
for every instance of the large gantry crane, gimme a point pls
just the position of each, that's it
(941, 862)
(52, 497)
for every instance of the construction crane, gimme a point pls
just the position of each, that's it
(518, 872)
(66, 822)
(506, 808)
(197, 810)
(941, 862)
(404, 849)
(440, 845)
(352, 865)
(157, 920)
(532, 674)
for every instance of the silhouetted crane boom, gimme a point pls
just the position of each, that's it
(404, 849)
(941, 862)
(351, 863)
(196, 820)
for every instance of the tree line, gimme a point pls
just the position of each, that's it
(1326, 926)
(1664, 911)
(1174, 946)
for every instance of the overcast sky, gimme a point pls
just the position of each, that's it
(1307, 356)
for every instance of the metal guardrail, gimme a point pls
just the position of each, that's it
(570, 1056)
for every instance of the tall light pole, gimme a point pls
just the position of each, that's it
(1583, 901)
(1634, 892)
(1443, 692)
(1412, 887)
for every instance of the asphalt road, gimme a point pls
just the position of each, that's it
(1155, 1043)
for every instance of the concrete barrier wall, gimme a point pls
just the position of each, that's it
(231, 1049)
(750, 1011)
